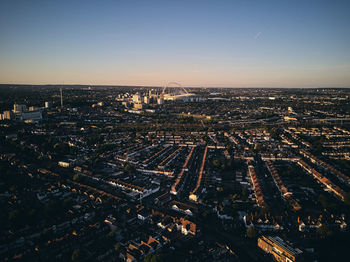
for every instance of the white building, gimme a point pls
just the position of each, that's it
(137, 98)
(146, 100)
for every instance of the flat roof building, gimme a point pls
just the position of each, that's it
(7, 115)
(31, 115)
(19, 108)
(279, 249)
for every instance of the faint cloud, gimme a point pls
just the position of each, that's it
(258, 34)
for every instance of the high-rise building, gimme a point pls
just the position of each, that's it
(8, 115)
(146, 99)
(19, 108)
(137, 98)
(48, 104)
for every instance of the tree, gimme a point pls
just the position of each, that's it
(325, 231)
(216, 163)
(77, 177)
(347, 198)
(274, 133)
(14, 214)
(78, 255)
(117, 247)
(251, 233)
(112, 234)
(154, 258)
(67, 202)
(129, 168)
(244, 193)
(325, 201)
(62, 148)
(15, 217)
(205, 213)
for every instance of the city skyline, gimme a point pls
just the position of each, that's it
(144, 174)
(195, 43)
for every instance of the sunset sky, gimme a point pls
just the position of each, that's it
(263, 43)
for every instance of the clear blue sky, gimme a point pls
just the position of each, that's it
(287, 43)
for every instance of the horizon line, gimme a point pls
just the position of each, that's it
(154, 86)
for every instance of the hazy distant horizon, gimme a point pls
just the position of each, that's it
(151, 86)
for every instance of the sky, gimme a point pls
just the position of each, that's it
(216, 43)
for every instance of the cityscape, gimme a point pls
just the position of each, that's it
(173, 173)
(174, 131)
